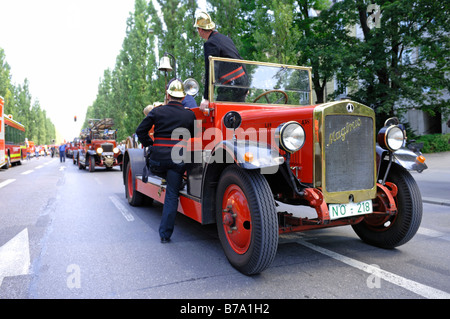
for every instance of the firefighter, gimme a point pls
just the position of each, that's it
(166, 152)
(219, 45)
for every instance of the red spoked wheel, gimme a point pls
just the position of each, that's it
(246, 219)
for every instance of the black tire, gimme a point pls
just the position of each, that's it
(133, 196)
(80, 167)
(91, 164)
(252, 246)
(8, 163)
(396, 230)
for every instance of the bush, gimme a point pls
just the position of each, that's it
(434, 143)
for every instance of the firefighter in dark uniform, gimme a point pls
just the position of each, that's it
(219, 45)
(167, 149)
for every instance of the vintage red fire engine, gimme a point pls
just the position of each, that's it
(99, 146)
(254, 163)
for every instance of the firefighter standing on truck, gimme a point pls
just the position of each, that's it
(219, 45)
(166, 119)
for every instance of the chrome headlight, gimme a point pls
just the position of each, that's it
(115, 150)
(391, 137)
(99, 150)
(290, 136)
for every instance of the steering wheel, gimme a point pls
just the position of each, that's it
(285, 96)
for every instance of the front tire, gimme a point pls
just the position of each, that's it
(80, 166)
(246, 220)
(91, 164)
(391, 231)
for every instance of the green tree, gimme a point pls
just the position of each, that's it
(6, 88)
(403, 63)
(23, 105)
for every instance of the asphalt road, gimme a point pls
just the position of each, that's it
(69, 234)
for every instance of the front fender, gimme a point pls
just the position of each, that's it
(247, 155)
(408, 159)
(91, 153)
(404, 157)
(134, 156)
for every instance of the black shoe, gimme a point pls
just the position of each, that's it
(165, 240)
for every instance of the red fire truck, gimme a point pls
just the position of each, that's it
(253, 164)
(12, 140)
(100, 146)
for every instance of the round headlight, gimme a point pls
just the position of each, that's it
(99, 150)
(394, 137)
(391, 137)
(115, 150)
(290, 136)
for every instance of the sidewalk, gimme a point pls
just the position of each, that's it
(438, 166)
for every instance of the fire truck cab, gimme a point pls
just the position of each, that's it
(252, 163)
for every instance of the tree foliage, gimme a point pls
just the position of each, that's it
(401, 63)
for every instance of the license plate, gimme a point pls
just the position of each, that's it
(351, 209)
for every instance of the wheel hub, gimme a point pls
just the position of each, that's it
(236, 219)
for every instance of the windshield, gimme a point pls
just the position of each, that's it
(257, 82)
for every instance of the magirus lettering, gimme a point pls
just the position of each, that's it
(340, 135)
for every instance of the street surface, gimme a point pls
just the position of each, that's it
(66, 233)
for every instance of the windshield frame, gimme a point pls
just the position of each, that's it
(212, 84)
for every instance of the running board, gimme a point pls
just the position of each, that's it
(188, 205)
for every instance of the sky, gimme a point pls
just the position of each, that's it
(63, 48)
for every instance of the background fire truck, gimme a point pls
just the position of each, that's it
(100, 147)
(12, 140)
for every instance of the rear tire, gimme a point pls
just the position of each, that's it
(133, 196)
(246, 220)
(392, 231)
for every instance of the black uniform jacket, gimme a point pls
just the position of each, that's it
(166, 119)
(218, 45)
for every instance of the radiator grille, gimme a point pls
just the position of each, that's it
(349, 157)
(107, 147)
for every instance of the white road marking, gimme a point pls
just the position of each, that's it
(27, 172)
(15, 256)
(125, 212)
(433, 233)
(413, 286)
(40, 166)
(8, 181)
